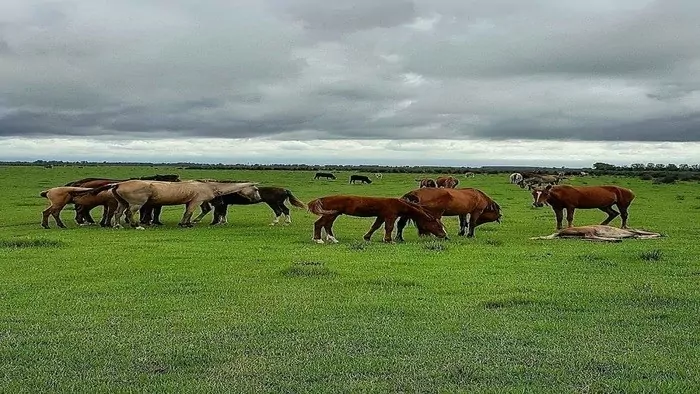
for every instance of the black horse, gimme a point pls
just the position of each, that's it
(326, 175)
(361, 178)
(275, 197)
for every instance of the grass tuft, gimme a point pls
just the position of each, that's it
(651, 255)
(494, 242)
(30, 243)
(435, 246)
(358, 246)
(308, 269)
(507, 303)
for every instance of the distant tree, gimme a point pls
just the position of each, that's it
(651, 166)
(637, 166)
(671, 167)
(659, 166)
(695, 167)
(604, 167)
(684, 167)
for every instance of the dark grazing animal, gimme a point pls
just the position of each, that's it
(326, 175)
(426, 182)
(584, 197)
(454, 202)
(361, 178)
(385, 209)
(273, 196)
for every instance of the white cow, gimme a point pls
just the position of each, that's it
(378, 175)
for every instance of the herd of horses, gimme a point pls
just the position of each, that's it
(424, 206)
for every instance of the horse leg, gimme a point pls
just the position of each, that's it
(375, 226)
(45, 217)
(612, 214)
(206, 208)
(118, 214)
(156, 215)
(285, 211)
(473, 217)
(85, 213)
(559, 214)
(570, 216)
(623, 214)
(187, 215)
(219, 212)
(278, 213)
(328, 225)
(403, 220)
(105, 215)
(79, 219)
(130, 214)
(318, 226)
(389, 228)
(462, 225)
(56, 213)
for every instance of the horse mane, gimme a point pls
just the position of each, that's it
(209, 180)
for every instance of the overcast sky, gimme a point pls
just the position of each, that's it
(364, 81)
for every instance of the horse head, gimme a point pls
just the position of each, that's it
(492, 213)
(540, 196)
(425, 221)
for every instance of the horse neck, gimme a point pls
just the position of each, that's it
(224, 188)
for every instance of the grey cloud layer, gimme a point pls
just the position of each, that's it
(365, 69)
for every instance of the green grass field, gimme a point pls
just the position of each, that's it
(246, 307)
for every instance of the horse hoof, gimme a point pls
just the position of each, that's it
(318, 241)
(332, 239)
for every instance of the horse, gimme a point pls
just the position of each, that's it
(531, 181)
(449, 182)
(134, 194)
(469, 175)
(61, 196)
(385, 209)
(426, 182)
(378, 175)
(274, 197)
(454, 202)
(598, 232)
(326, 175)
(361, 178)
(516, 178)
(82, 213)
(584, 197)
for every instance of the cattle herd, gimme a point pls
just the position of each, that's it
(424, 206)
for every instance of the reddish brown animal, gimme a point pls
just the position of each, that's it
(426, 182)
(454, 202)
(449, 182)
(584, 197)
(385, 209)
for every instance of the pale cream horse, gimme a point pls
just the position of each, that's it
(133, 194)
(599, 232)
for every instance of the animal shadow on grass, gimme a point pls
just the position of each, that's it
(30, 243)
(651, 255)
(308, 269)
(435, 246)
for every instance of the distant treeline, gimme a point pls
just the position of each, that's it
(649, 171)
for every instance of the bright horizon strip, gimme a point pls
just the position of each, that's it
(380, 151)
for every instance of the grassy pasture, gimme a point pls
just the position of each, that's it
(246, 307)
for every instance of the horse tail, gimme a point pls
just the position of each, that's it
(44, 194)
(97, 190)
(293, 200)
(316, 207)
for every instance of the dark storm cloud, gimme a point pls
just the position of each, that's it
(624, 70)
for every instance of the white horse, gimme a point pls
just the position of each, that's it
(516, 177)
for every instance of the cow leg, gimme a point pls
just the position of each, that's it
(375, 226)
(612, 214)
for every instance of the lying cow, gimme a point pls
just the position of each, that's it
(599, 232)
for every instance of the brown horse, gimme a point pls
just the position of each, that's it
(584, 197)
(82, 212)
(426, 182)
(385, 209)
(61, 196)
(449, 182)
(454, 202)
(134, 194)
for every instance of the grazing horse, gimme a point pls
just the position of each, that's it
(326, 175)
(82, 212)
(274, 197)
(599, 232)
(134, 194)
(385, 209)
(61, 196)
(531, 181)
(426, 182)
(584, 197)
(449, 182)
(516, 178)
(454, 202)
(361, 178)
